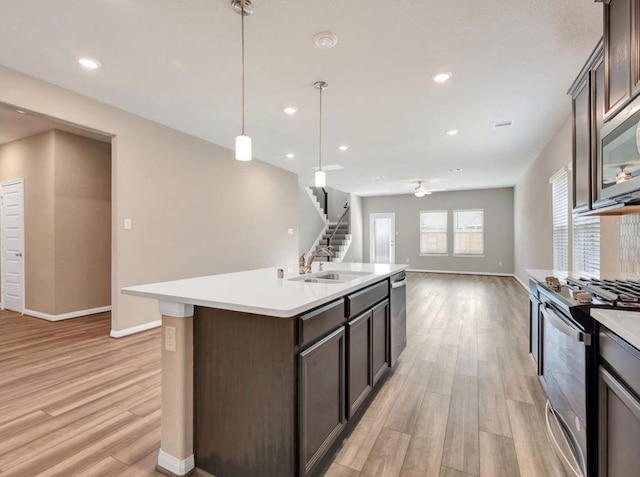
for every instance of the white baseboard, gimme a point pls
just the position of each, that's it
(524, 285)
(174, 465)
(451, 272)
(67, 316)
(135, 329)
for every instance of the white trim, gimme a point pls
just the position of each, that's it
(174, 465)
(174, 309)
(564, 170)
(524, 285)
(452, 272)
(67, 316)
(135, 329)
(2, 287)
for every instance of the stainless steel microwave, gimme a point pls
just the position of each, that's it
(618, 168)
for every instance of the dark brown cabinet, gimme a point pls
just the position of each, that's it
(534, 324)
(582, 145)
(587, 94)
(360, 368)
(380, 340)
(322, 398)
(619, 50)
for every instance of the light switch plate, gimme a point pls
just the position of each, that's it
(290, 231)
(170, 338)
(127, 224)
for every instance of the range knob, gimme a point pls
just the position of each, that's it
(584, 297)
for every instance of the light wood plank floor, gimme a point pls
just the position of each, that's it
(74, 402)
(463, 401)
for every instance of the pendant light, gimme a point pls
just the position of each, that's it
(321, 176)
(243, 142)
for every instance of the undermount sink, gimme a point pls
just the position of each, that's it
(333, 276)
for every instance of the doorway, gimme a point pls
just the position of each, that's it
(12, 248)
(382, 234)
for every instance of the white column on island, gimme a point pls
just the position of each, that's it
(176, 450)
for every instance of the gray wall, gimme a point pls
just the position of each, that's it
(498, 220)
(534, 213)
(195, 209)
(337, 199)
(310, 224)
(356, 250)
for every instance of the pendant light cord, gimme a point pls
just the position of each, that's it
(320, 134)
(242, 15)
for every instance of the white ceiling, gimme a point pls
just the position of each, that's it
(177, 62)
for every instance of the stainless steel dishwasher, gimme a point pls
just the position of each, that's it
(398, 313)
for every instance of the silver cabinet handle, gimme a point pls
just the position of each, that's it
(399, 284)
(563, 327)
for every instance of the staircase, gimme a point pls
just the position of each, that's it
(340, 242)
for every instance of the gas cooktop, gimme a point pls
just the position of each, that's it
(600, 292)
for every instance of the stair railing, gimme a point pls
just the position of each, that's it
(347, 207)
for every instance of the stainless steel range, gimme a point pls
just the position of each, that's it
(568, 361)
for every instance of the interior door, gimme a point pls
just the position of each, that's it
(382, 238)
(13, 245)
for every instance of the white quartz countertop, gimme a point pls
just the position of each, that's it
(626, 324)
(261, 292)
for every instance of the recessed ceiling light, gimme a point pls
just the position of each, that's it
(452, 132)
(441, 77)
(457, 169)
(89, 63)
(291, 155)
(344, 148)
(20, 111)
(325, 40)
(290, 110)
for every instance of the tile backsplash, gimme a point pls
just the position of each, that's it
(630, 244)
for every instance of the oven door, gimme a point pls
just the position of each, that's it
(564, 375)
(618, 171)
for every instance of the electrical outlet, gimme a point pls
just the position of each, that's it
(290, 231)
(170, 338)
(127, 224)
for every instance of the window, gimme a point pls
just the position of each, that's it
(433, 233)
(468, 232)
(586, 244)
(560, 190)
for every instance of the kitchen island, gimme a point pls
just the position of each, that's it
(264, 375)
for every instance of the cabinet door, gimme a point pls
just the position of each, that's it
(617, 54)
(582, 147)
(619, 433)
(597, 114)
(321, 398)
(359, 366)
(380, 340)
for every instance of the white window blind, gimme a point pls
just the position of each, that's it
(560, 190)
(468, 232)
(433, 232)
(586, 244)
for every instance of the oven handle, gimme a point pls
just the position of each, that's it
(563, 326)
(548, 410)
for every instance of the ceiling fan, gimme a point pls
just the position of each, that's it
(621, 176)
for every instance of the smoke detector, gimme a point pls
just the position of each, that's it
(325, 40)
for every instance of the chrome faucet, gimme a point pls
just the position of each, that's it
(305, 264)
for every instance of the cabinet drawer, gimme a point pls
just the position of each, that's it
(365, 299)
(622, 358)
(318, 322)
